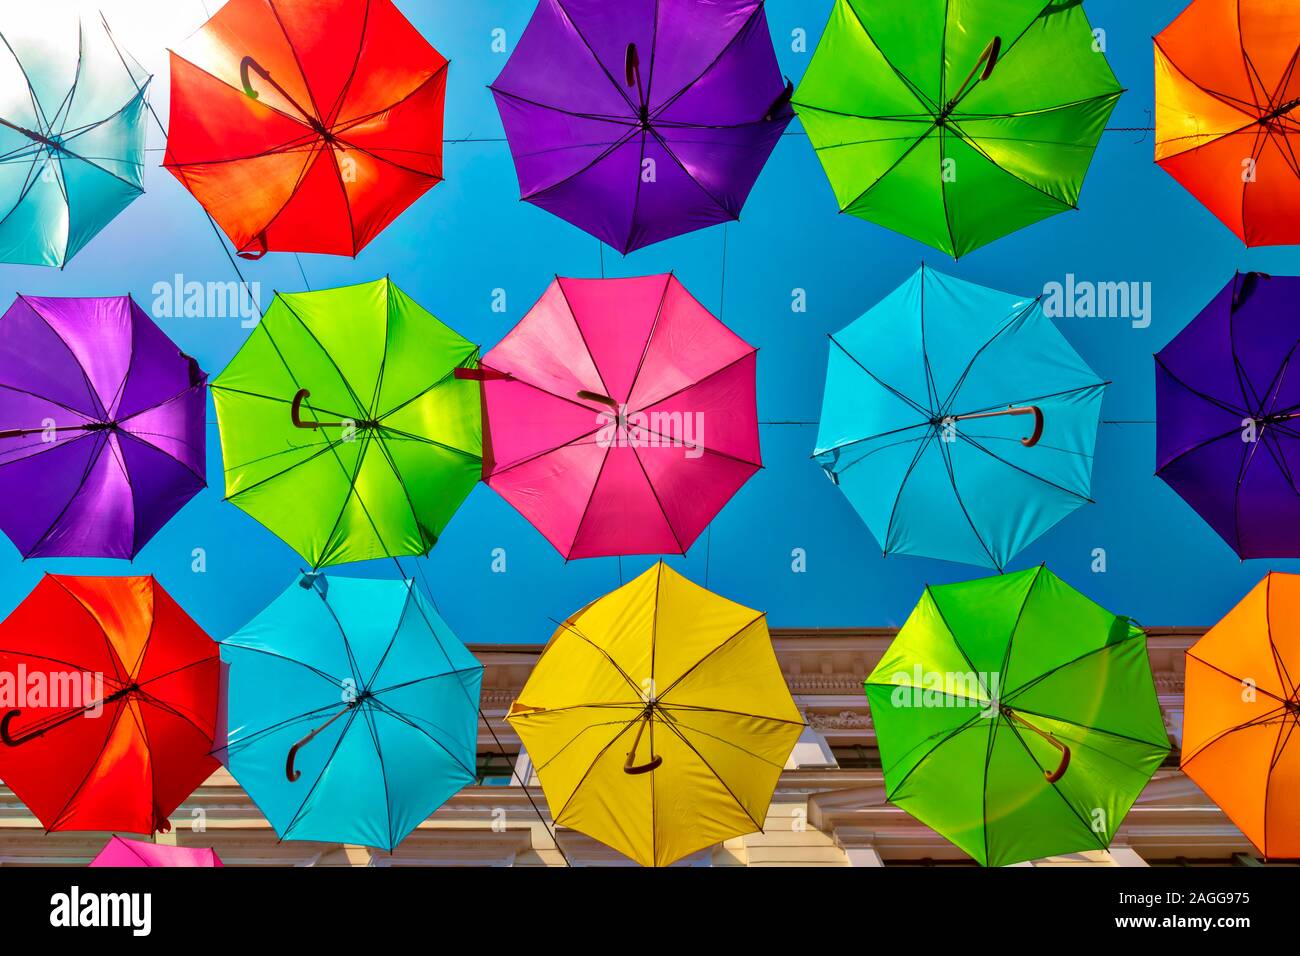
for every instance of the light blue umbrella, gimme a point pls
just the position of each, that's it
(352, 710)
(72, 134)
(958, 421)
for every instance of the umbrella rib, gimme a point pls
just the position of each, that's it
(822, 452)
(717, 776)
(243, 743)
(1029, 685)
(1013, 321)
(591, 496)
(931, 392)
(971, 142)
(911, 87)
(743, 629)
(1024, 471)
(667, 520)
(700, 708)
(732, 216)
(401, 483)
(403, 718)
(1278, 663)
(617, 144)
(453, 672)
(1260, 720)
(596, 59)
(1020, 615)
(1035, 399)
(571, 627)
(97, 403)
(636, 195)
(726, 47)
(916, 406)
(471, 356)
(1204, 396)
(556, 817)
(1097, 730)
(573, 317)
(324, 447)
(1093, 835)
(92, 459)
(218, 387)
(1230, 676)
(945, 737)
(946, 454)
(369, 720)
(645, 349)
(337, 106)
(884, 175)
(288, 41)
(58, 818)
(923, 445)
(328, 678)
(293, 822)
(612, 118)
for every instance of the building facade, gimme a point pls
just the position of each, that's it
(829, 808)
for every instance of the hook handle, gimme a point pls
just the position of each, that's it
(481, 374)
(990, 57)
(1051, 776)
(632, 66)
(289, 770)
(245, 65)
(1034, 410)
(630, 766)
(295, 412)
(597, 397)
(781, 102)
(9, 740)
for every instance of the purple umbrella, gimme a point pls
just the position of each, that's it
(640, 120)
(1228, 415)
(101, 427)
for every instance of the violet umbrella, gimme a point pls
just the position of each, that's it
(101, 427)
(136, 853)
(1228, 415)
(641, 120)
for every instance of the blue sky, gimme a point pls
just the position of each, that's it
(470, 236)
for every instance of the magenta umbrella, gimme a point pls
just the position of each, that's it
(120, 852)
(619, 416)
(641, 120)
(102, 429)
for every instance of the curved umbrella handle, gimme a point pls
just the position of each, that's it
(990, 57)
(10, 741)
(246, 64)
(597, 397)
(632, 66)
(1033, 439)
(1059, 772)
(295, 412)
(630, 766)
(289, 770)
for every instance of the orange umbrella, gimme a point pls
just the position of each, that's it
(1242, 711)
(1228, 113)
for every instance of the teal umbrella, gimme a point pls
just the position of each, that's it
(958, 421)
(72, 132)
(352, 710)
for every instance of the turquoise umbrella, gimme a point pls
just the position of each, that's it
(958, 421)
(72, 132)
(352, 710)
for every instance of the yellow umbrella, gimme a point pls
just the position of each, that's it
(658, 719)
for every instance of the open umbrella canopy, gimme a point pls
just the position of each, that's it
(641, 120)
(956, 123)
(110, 703)
(621, 416)
(958, 421)
(1228, 113)
(343, 428)
(306, 126)
(1242, 713)
(1016, 717)
(1228, 415)
(102, 427)
(73, 116)
(353, 710)
(658, 719)
(136, 853)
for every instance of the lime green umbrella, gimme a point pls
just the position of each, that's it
(1016, 717)
(345, 428)
(957, 123)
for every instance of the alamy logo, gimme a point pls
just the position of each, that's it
(619, 429)
(75, 909)
(1080, 299)
(922, 688)
(207, 300)
(64, 690)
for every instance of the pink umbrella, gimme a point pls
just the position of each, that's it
(619, 416)
(119, 852)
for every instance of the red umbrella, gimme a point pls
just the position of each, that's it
(306, 126)
(110, 703)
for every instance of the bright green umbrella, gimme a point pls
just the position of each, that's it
(1016, 717)
(344, 426)
(956, 123)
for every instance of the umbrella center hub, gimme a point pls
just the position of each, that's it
(1293, 705)
(321, 130)
(361, 698)
(1276, 114)
(643, 116)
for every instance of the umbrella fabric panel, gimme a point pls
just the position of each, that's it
(134, 853)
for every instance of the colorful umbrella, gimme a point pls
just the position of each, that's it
(343, 429)
(958, 421)
(1227, 95)
(353, 711)
(73, 115)
(102, 427)
(1226, 408)
(135, 853)
(645, 119)
(1242, 711)
(956, 123)
(114, 703)
(658, 719)
(621, 416)
(306, 127)
(1016, 717)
